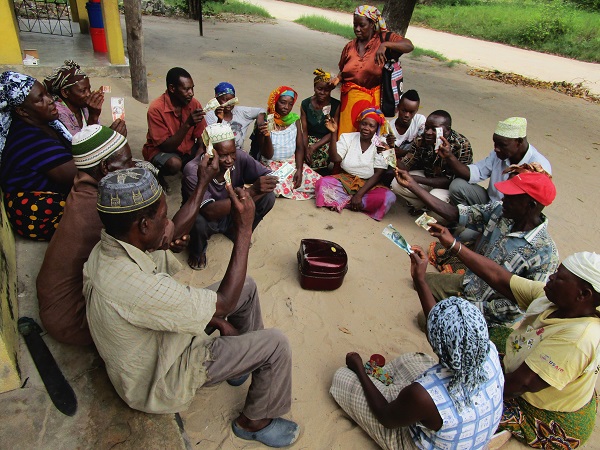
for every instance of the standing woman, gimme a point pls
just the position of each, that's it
(315, 134)
(356, 185)
(36, 165)
(284, 145)
(362, 62)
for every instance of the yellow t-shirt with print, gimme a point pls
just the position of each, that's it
(563, 352)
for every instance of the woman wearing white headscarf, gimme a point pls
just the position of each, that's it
(36, 165)
(430, 404)
(552, 358)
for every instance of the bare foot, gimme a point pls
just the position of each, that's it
(197, 262)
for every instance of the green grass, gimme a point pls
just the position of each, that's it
(235, 7)
(550, 27)
(320, 23)
(336, 5)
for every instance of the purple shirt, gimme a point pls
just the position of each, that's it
(246, 170)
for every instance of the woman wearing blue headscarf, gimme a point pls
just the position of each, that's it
(454, 402)
(239, 118)
(36, 165)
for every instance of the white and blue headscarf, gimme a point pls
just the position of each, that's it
(14, 89)
(459, 336)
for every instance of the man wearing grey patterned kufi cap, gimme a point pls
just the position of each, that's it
(151, 330)
(127, 190)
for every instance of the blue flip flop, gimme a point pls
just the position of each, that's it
(279, 433)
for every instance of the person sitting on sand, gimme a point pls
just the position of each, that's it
(430, 404)
(175, 122)
(510, 148)
(239, 118)
(151, 330)
(97, 151)
(315, 134)
(425, 165)
(552, 357)
(357, 170)
(215, 212)
(514, 236)
(77, 105)
(283, 146)
(407, 126)
(36, 165)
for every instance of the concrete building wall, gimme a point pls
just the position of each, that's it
(9, 338)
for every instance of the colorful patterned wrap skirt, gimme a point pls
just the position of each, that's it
(34, 215)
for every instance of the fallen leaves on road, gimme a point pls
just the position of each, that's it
(570, 89)
(344, 330)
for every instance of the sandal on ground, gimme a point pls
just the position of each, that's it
(238, 381)
(197, 263)
(279, 433)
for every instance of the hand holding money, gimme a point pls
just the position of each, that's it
(443, 235)
(418, 263)
(444, 151)
(195, 117)
(425, 221)
(207, 169)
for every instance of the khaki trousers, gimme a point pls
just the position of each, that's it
(264, 353)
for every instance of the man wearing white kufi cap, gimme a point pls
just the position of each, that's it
(552, 359)
(510, 147)
(214, 216)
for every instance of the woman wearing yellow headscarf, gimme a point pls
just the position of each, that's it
(361, 64)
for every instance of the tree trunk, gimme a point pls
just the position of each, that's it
(397, 14)
(135, 49)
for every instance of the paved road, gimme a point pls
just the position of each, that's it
(476, 53)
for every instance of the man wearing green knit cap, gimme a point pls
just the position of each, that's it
(510, 147)
(150, 329)
(97, 151)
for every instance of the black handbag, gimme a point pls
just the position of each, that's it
(391, 80)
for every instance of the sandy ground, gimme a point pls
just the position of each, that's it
(376, 302)
(474, 52)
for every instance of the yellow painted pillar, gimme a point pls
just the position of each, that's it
(84, 20)
(10, 50)
(9, 337)
(112, 29)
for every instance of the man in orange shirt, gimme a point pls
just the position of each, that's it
(175, 121)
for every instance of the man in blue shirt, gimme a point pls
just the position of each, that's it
(510, 147)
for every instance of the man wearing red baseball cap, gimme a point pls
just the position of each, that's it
(514, 235)
(537, 185)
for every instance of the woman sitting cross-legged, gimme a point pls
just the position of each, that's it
(313, 114)
(284, 145)
(454, 402)
(36, 164)
(552, 358)
(356, 185)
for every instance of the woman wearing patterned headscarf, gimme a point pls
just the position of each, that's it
(424, 403)
(77, 105)
(281, 145)
(314, 110)
(36, 165)
(357, 169)
(239, 118)
(362, 62)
